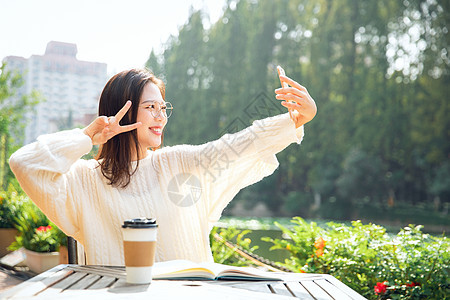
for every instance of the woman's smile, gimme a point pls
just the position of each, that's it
(156, 130)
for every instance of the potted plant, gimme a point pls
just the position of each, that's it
(40, 238)
(42, 249)
(10, 204)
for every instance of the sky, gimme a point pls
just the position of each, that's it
(120, 33)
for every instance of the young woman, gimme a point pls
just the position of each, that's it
(184, 187)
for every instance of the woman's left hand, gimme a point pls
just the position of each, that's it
(301, 105)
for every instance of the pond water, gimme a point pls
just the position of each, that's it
(277, 255)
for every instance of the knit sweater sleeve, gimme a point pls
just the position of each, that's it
(47, 172)
(234, 161)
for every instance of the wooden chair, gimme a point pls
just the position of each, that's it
(72, 250)
(75, 252)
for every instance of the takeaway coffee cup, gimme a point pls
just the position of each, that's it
(139, 244)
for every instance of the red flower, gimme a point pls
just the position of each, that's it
(413, 284)
(43, 228)
(380, 288)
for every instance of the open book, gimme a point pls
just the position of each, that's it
(188, 270)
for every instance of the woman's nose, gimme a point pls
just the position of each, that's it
(160, 116)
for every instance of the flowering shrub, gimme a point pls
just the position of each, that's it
(36, 232)
(45, 239)
(409, 265)
(380, 288)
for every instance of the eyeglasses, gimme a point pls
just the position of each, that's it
(156, 108)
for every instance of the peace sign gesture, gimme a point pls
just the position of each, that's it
(104, 128)
(301, 105)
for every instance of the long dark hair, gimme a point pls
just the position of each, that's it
(115, 155)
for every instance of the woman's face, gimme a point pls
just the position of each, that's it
(150, 132)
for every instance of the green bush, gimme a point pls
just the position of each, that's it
(409, 265)
(225, 255)
(36, 232)
(44, 239)
(10, 204)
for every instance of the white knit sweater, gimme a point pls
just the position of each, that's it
(75, 196)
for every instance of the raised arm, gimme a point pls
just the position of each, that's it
(225, 166)
(53, 176)
(46, 171)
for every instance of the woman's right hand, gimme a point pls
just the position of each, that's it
(104, 128)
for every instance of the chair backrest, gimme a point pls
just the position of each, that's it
(72, 250)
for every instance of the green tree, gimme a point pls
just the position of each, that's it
(12, 121)
(183, 64)
(362, 180)
(378, 70)
(154, 65)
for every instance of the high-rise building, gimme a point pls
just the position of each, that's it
(70, 88)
